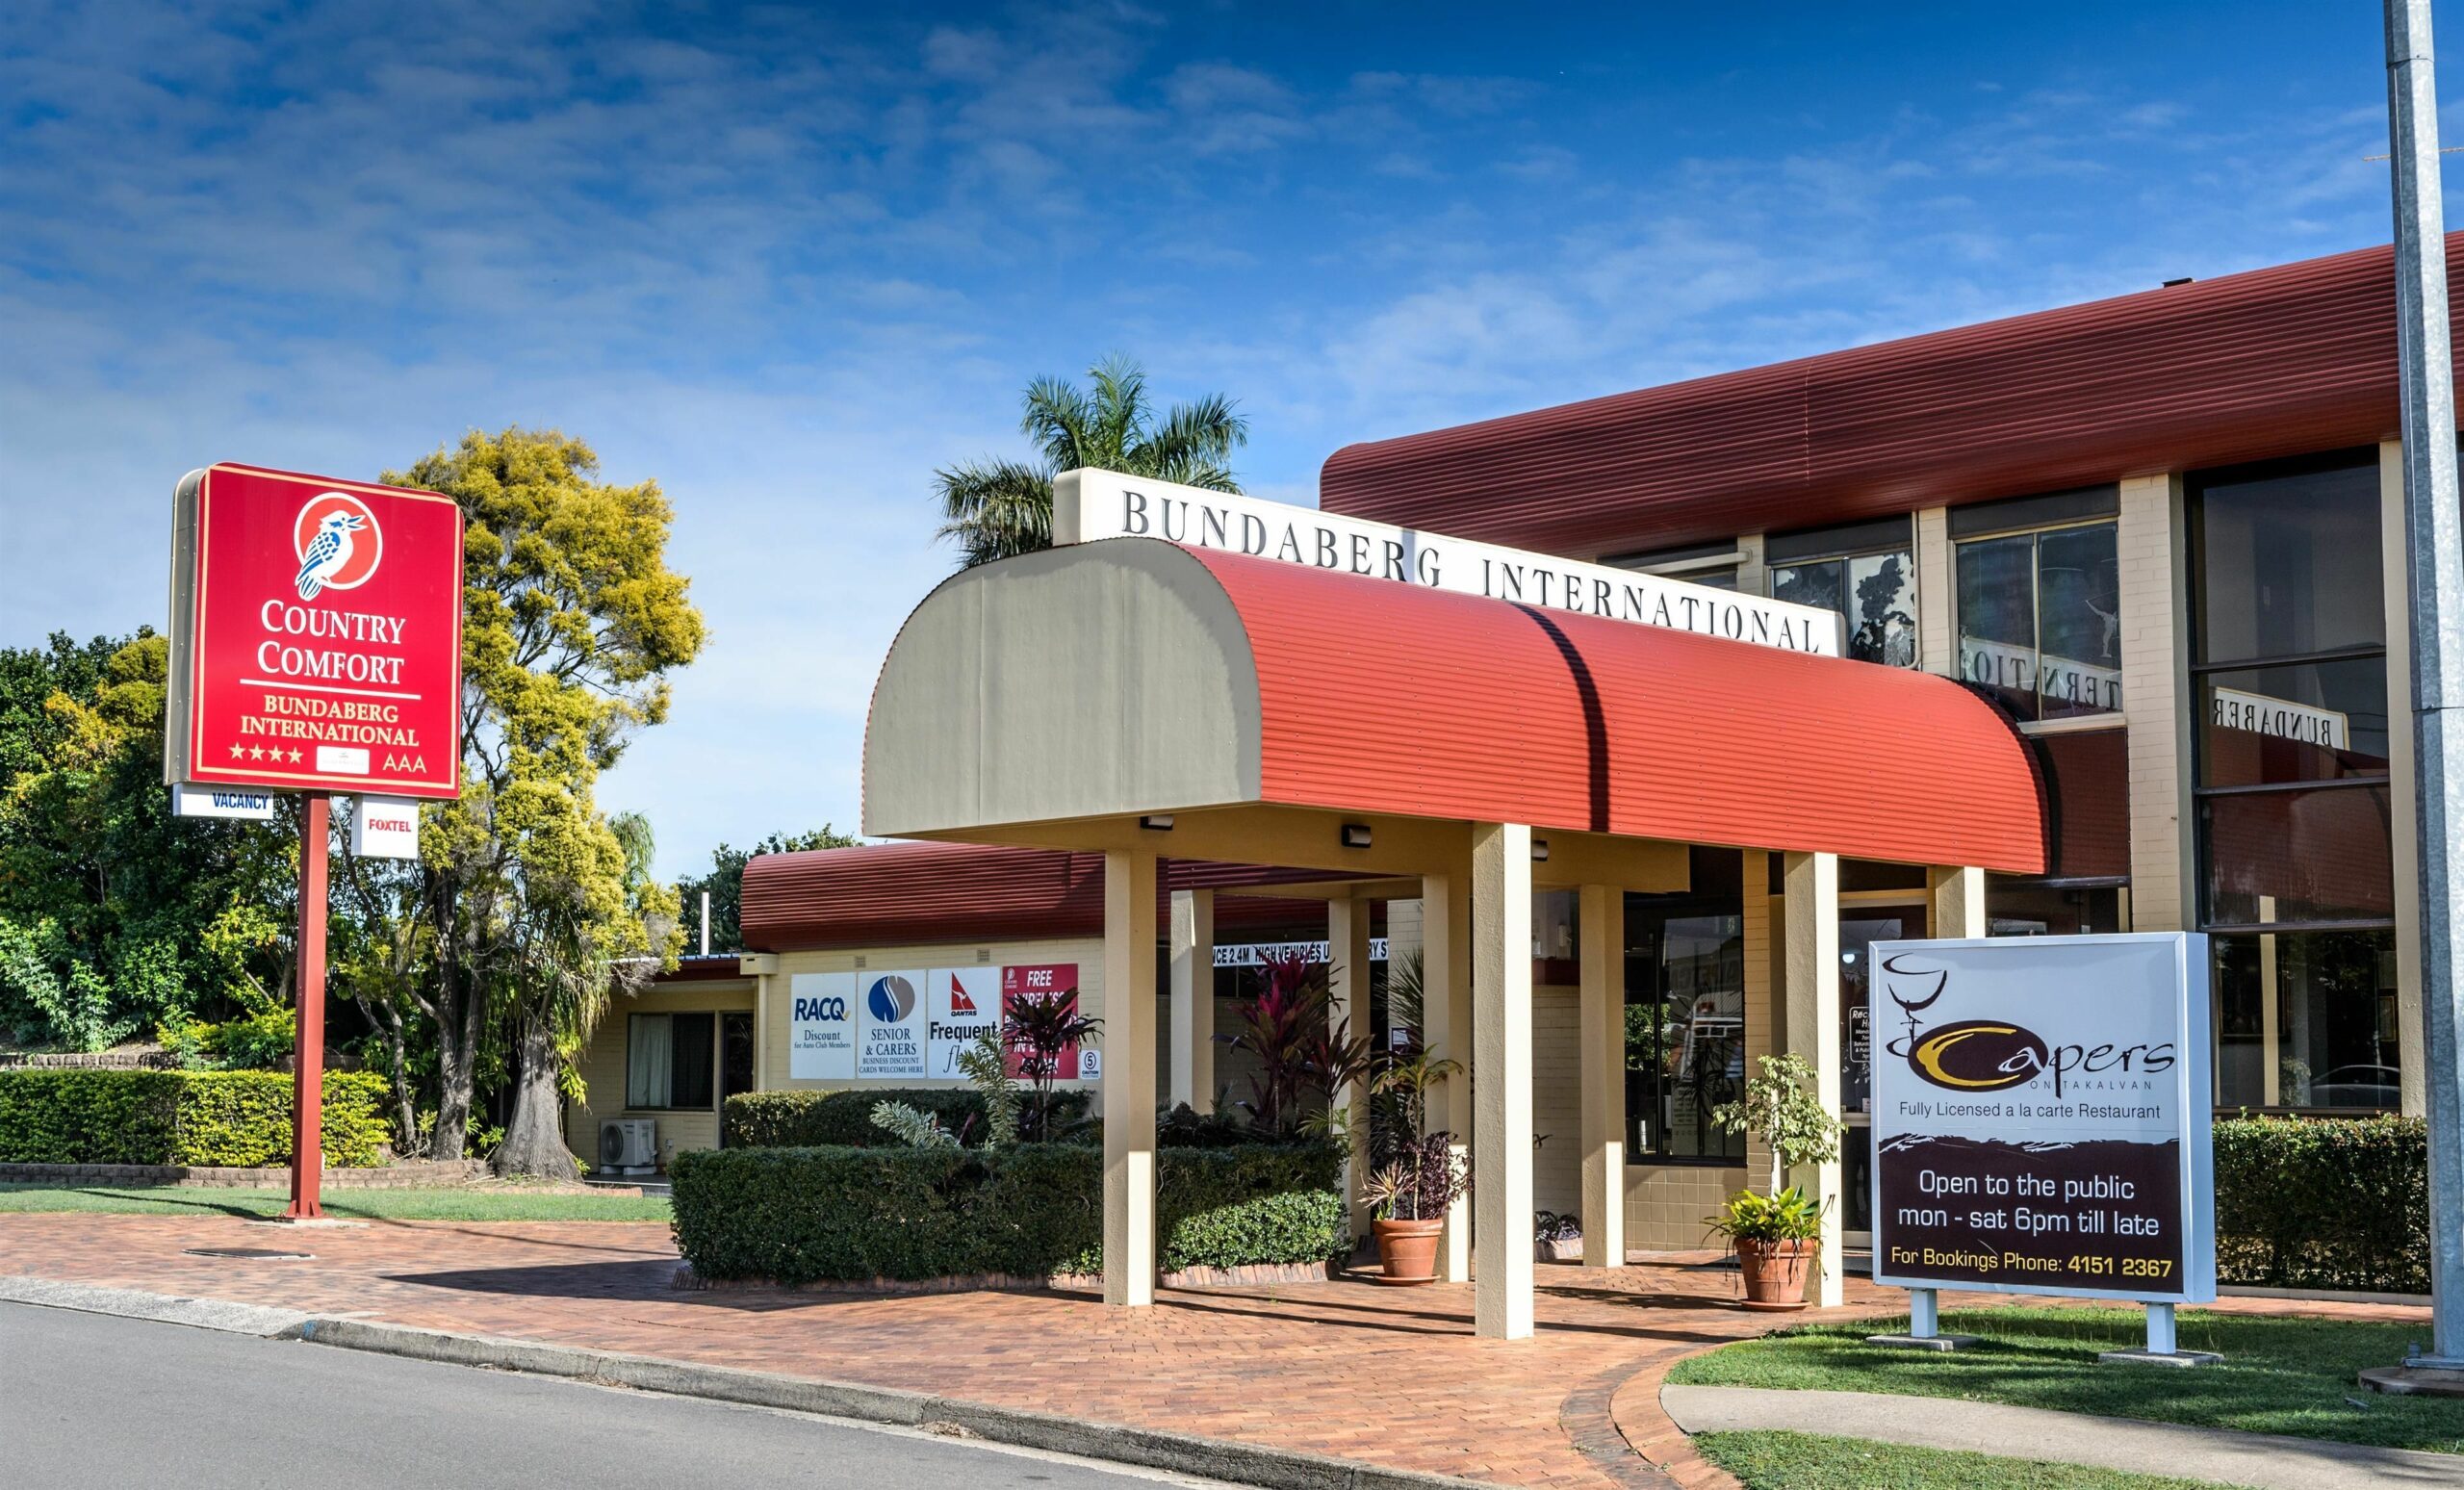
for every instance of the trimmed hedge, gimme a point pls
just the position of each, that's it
(2324, 1203)
(844, 1120)
(841, 1214)
(202, 1119)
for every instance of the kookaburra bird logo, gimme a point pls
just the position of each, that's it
(331, 549)
(338, 542)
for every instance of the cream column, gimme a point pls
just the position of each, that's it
(1936, 646)
(1194, 999)
(1502, 1080)
(2155, 700)
(1812, 889)
(1445, 1020)
(2412, 1092)
(1129, 1077)
(1348, 949)
(1957, 902)
(1600, 1054)
(1766, 1007)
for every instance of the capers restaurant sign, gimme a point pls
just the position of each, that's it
(2041, 1109)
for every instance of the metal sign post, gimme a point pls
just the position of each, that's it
(2435, 545)
(308, 1085)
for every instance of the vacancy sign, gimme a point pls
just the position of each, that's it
(2041, 1109)
(316, 635)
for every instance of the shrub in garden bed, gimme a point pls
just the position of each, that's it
(201, 1119)
(843, 1214)
(2324, 1203)
(814, 1120)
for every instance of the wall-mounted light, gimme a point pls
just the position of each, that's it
(1539, 851)
(1355, 835)
(1158, 822)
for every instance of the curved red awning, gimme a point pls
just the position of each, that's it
(1144, 678)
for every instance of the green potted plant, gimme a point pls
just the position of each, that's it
(1774, 1234)
(1411, 1192)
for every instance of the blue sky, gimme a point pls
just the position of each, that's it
(789, 259)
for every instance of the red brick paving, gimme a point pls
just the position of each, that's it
(1384, 1375)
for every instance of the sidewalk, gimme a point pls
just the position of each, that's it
(1382, 1377)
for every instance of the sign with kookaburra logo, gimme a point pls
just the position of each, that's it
(2041, 1110)
(316, 635)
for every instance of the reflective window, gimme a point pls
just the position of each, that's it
(2024, 910)
(2280, 857)
(2303, 722)
(2288, 560)
(2307, 1021)
(1865, 573)
(2039, 620)
(1685, 1026)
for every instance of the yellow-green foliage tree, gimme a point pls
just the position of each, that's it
(520, 916)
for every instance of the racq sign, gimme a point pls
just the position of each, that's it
(316, 635)
(2041, 1109)
(1091, 504)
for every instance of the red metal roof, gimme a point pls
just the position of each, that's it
(1380, 697)
(2272, 361)
(889, 895)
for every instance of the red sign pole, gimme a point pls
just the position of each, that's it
(308, 1090)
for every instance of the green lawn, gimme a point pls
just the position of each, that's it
(471, 1204)
(1812, 1461)
(2279, 1375)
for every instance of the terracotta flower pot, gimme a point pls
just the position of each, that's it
(1774, 1272)
(1407, 1250)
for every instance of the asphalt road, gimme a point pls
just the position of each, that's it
(91, 1401)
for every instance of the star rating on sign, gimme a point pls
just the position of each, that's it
(238, 750)
(294, 757)
(256, 753)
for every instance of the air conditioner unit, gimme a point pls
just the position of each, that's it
(629, 1145)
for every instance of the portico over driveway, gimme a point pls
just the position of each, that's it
(1144, 699)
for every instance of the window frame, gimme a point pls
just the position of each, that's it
(1848, 552)
(671, 1016)
(2034, 532)
(1665, 910)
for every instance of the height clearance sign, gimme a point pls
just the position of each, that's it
(316, 635)
(2041, 1109)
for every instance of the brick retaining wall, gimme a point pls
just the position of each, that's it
(393, 1176)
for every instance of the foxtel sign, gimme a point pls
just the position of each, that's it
(1090, 504)
(316, 635)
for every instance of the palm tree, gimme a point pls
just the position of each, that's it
(996, 508)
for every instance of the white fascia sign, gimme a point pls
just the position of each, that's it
(385, 828)
(231, 805)
(1092, 506)
(1089, 505)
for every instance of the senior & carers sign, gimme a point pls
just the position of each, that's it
(2041, 1109)
(316, 635)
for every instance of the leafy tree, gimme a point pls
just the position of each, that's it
(517, 919)
(993, 508)
(724, 881)
(115, 916)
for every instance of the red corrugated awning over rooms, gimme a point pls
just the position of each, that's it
(1333, 691)
(891, 894)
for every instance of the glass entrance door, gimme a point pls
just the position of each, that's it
(1860, 928)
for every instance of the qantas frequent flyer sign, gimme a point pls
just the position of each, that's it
(316, 635)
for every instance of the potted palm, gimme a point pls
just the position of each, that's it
(1773, 1234)
(1421, 1178)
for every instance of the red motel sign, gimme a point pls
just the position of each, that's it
(316, 635)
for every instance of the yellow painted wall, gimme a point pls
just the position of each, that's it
(602, 1067)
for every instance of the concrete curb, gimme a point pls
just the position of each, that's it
(1187, 1454)
(236, 1319)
